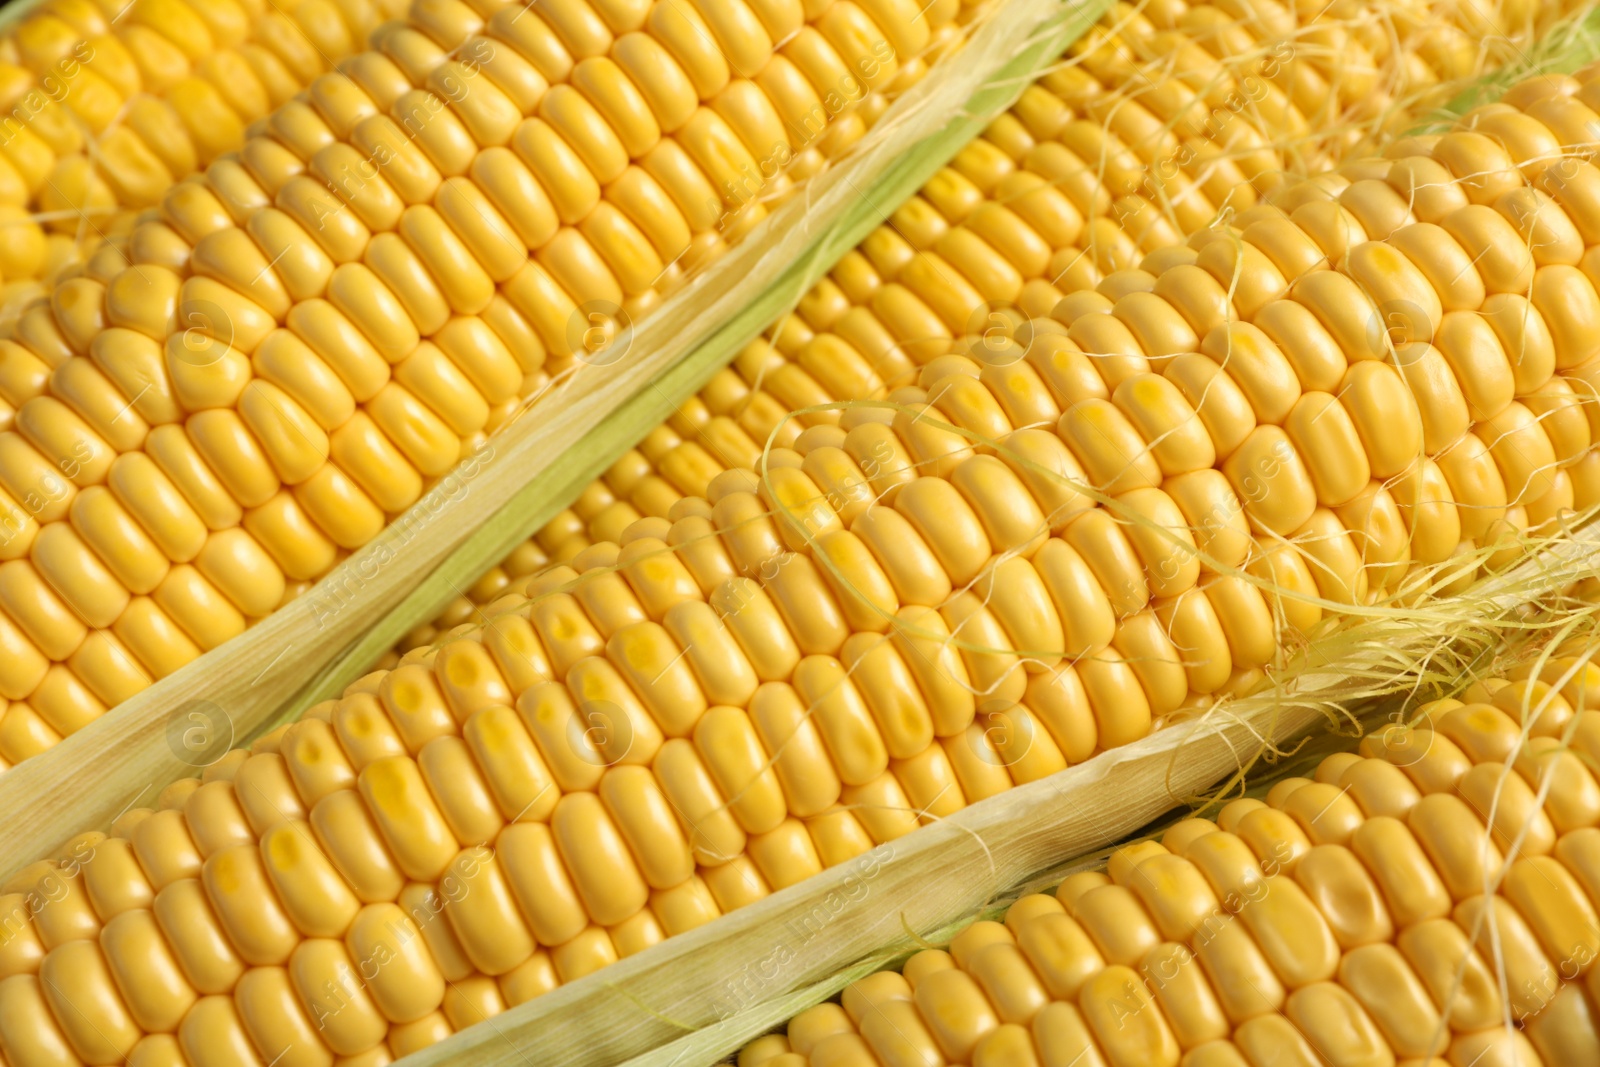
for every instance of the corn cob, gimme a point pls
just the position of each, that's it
(1432, 899)
(609, 762)
(1018, 220)
(193, 438)
(845, 351)
(107, 104)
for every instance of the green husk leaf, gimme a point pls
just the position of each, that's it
(15, 12)
(1572, 43)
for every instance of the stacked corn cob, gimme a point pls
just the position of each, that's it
(319, 329)
(1099, 168)
(1434, 899)
(108, 103)
(728, 702)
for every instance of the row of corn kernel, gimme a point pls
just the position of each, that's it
(854, 565)
(108, 104)
(271, 165)
(1017, 239)
(165, 486)
(1409, 902)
